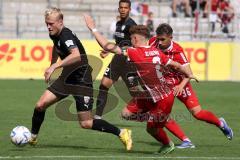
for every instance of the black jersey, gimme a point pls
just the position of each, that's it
(122, 35)
(67, 40)
(75, 73)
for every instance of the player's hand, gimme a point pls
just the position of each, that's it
(89, 21)
(104, 53)
(48, 72)
(194, 78)
(177, 90)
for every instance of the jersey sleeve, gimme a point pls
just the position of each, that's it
(130, 53)
(180, 57)
(67, 40)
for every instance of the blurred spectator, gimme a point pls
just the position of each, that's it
(150, 23)
(193, 5)
(182, 5)
(212, 6)
(219, 9)
(226, 14)
(112, 27)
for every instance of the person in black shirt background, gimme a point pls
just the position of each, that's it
(75, 80)
(119, 66)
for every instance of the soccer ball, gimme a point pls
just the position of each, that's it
(20, 136)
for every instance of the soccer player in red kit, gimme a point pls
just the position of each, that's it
(182, 87)
(150, 62)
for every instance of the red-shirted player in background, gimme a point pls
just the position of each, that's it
(182, 87)
(158, 96)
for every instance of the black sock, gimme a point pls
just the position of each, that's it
(101, 99)
(104, 126)
(37, 120)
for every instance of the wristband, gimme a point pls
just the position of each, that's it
(94, 30)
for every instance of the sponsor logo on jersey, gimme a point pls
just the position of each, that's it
(119, 34)
(69, 43)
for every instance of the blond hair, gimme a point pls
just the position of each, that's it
(54, 11)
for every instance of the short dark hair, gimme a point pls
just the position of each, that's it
(125, 1)
(164, 28)
(141, 30)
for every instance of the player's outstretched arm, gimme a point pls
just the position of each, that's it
(184, 69)
(103, 42)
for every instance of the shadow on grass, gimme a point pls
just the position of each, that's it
(91, 150)
(129, 125)
(149, 143)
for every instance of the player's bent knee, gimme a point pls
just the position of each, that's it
(40, 106)
(86, 124)
(106, 83)
(195, 111)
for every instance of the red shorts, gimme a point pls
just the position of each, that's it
(157, 112)
(188, 97)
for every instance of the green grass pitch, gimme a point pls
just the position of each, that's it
(61, 139)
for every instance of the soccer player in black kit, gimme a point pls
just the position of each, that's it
(75, 80)
(119, 66)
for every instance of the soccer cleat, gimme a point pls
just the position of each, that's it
(126, 138)
(165, 149)
(33, 141)
(227, 131)
(186, 144)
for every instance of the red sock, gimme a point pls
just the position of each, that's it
(162, 136)
(208, 117)
(175, 129)
(159, 134)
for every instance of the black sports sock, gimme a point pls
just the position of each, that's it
(37, 120)
(104, 126)
(101, 99)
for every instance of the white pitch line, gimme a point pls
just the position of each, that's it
(116, 157)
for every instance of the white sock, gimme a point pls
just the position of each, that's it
(187, 139)
(121, 130)
(34, 135)
(221, 124)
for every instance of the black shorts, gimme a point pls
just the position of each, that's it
(78, 84)
(121, 67)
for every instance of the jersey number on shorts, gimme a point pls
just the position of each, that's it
(106, 71)
(186, 92)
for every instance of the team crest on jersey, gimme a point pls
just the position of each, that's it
(123, 27)
(69, 43)
(86, 99)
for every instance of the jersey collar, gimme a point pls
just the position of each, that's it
(170, 47)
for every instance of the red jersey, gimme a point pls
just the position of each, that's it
(214, 5)
(150, 62)
(176, 53)
(223, 5)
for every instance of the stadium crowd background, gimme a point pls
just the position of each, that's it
(24, 18)
(25, 42)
